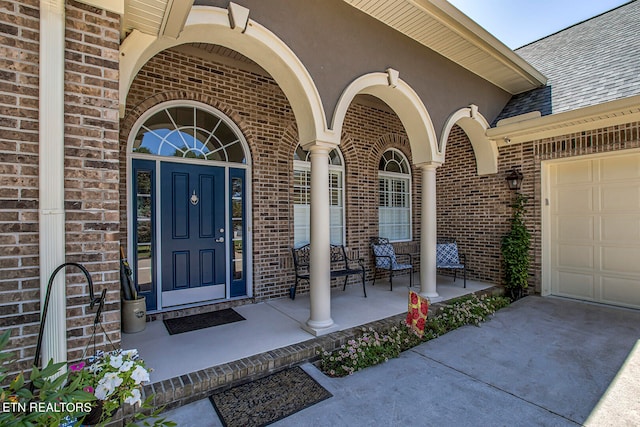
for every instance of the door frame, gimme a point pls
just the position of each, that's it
(545, 206)
(248, 205)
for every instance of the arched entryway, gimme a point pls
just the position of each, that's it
(411, 111)
(188, 206)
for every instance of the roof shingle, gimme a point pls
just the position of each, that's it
(592, 62)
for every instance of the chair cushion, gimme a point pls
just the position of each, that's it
(383, 251)
(417, 313)
(447, 254)
(450, 266)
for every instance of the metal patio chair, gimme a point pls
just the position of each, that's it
(387, 259)
(447, 257)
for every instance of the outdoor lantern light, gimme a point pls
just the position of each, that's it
(514, 179)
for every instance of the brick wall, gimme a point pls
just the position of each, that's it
(91, 191)
(91, 169)
(260, 109)
(19, 273)
(475, 209)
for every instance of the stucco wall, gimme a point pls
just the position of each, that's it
(338, 43)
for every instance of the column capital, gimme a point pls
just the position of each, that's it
(429, 165)
(319, 145)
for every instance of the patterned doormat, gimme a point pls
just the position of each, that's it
(268, 399)
(201, 321)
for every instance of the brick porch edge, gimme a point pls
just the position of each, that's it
(179, 391)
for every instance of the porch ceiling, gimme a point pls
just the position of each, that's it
(435, 24)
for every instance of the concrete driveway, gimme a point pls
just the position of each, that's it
(541, 361)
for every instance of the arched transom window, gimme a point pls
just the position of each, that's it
(394, 208)
(302, 197)
(189, 132)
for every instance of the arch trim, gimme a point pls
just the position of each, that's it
(207, 24)
(475, 126)
(404, 101)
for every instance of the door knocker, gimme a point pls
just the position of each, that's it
(194, 198)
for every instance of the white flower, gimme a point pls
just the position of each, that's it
(134, 398)
(116, 361)
(102, 392)
(126, 366)
(132, 354)
(140, 374)
(111, 380)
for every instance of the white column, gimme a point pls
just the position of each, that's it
(428, 233)
(320, 321)
(51, 187)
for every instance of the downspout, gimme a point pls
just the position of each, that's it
(51, 174)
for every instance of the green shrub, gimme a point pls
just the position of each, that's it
(375, 347)
(515, 247)
(369, 349)
(469, 310)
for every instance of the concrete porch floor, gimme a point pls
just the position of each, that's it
(273, 325)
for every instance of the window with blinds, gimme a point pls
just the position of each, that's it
(394, 189)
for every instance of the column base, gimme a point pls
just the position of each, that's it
(433, 297)
(318, 330)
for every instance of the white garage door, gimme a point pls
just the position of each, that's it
(595, 229)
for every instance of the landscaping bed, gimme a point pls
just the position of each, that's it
(378, 346)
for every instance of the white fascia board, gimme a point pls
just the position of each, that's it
(482, 39)
(594, 117)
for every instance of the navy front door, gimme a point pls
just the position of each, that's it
(192, 208)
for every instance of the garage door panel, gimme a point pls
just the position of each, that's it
(575, 285)
(621, 259)
(573, 200)
(574, 173)
(594, 241)
(617, 168)
(574, 228)
(575, 256)
(621, 291)
(620, 228)
(616, 198)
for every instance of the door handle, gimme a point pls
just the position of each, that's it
(220, 240)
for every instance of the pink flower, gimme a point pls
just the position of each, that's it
(77, 367)
(88, 389)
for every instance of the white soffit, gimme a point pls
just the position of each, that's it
(441, 27)
(145, 16)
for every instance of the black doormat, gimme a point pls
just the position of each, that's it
(268, 399)
(201, 321)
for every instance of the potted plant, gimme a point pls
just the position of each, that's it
(47, 398)
(515, 247)
(87, 393)
(115, 378)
